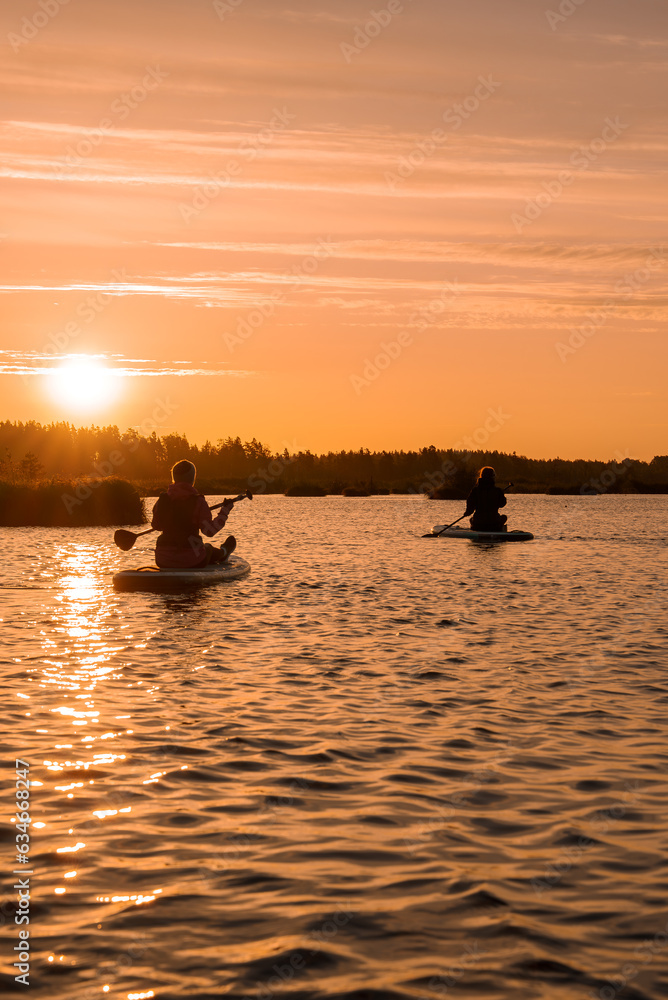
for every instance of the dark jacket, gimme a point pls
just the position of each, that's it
(484, 503)
(180, 514)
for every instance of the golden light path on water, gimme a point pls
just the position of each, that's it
(374, 761)
(77, 659)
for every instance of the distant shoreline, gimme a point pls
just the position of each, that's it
(63, 475)
(115, 502)
(226, 487)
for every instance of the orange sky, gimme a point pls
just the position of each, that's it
(241, 204)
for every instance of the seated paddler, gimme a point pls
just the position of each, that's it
(180, 514)
(484, 502)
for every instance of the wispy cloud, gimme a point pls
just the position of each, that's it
(576, 256)
(40, 363)
(310, 17)
(631, 42)
(350, 163)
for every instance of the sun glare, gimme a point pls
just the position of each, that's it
(83, 384)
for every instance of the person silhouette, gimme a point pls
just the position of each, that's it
(484, 502)
(180, 513)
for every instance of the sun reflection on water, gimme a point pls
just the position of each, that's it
(71, 850)
(103, 813)
(80, 664)
(82, 630)
(138, 898)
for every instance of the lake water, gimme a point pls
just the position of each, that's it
(380, 766)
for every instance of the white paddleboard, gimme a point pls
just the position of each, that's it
(159, 580)
(482, 536)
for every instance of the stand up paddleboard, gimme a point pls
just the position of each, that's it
(482, 536)
(170, 580)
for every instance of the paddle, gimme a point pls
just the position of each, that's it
(435, 534)
(126, 539)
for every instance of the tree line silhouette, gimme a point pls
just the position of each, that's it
(33, 452)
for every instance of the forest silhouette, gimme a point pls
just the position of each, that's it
(31, 452)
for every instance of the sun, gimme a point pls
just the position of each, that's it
(83, 384)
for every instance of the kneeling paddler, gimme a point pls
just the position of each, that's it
(180, 513)
(484, 502)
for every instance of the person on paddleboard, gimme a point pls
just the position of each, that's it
(180, 513)
(484, 502)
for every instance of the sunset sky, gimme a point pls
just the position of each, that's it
(236, 206)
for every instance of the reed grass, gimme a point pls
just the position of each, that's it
(71, 503)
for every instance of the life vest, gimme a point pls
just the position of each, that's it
(487, 499)
(173, 516)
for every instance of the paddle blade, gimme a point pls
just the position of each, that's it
(124, 539)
